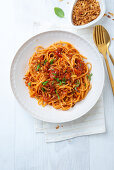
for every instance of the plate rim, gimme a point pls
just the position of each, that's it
(29, 111)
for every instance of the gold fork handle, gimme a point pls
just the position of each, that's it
(110, 56)
(110, 74)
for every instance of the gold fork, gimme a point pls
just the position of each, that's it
(107, 40)
(99, 39)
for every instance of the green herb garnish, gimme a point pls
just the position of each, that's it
(57, 94)
(64, 81)
(77, 83)
(85, 84)
(89, 76)
(52, 82)
(51, 62)
(57, 79)
(45, 62)
(38, 66)
(59, 12)
(43, 89)
(44, 83)
(54, 74)
(75, 88)
(60, 83)
(29, 84)
(65, 71)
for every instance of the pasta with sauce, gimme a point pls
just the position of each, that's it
(58, 76)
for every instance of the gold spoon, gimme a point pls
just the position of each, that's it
(99, 39)
(107, 40)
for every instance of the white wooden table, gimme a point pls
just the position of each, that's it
(20, 147)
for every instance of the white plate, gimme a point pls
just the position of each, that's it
(48, 113)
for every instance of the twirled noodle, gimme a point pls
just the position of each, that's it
(58, 76)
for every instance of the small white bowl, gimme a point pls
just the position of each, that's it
(102, 7)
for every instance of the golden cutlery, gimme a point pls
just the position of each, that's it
(100, 41)
(107, 40)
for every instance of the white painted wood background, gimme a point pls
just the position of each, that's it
(20, 147)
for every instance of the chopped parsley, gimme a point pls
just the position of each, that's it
(60, 83)
(57, 94)
(29, 84)
(63, 81)
(54, 74)
(52, 82)
(38, 66)
(57, 79)
(89, 76)
(43, 89)
(51, 62)
(65, 71)
(77, 83)
(45, 61)
(75, 88)
(44, 83)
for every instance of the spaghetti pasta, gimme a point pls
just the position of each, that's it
(58, 76)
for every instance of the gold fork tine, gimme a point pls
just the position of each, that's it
(102, 38)
(95, 32)
(103, 35)
(98, 34)
(99, 39)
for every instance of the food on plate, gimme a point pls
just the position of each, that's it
(85, 11)
(58, 76)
